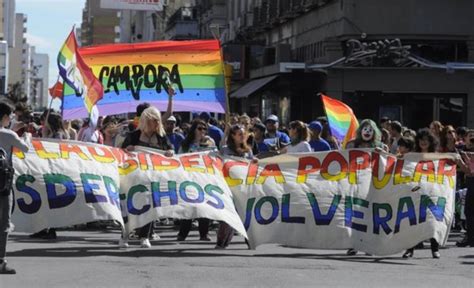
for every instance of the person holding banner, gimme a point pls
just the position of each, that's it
(150, 133)
(425, 142)
(8, 141)
(196, 141)
(368, 135)
(236, 146)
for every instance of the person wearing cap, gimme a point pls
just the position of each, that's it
(316, 142)
(281, 139)
(174, 137)
(213, 131)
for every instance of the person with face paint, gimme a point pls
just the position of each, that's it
(368, 135)
(425, 142)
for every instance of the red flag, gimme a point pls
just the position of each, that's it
(57, 90)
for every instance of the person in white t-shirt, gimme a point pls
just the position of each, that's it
(8, 141)
(299, 135)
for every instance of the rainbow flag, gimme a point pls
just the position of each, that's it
(85, 87)
(342, 120)
(135, 73)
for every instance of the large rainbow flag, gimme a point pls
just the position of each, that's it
(78, 77)
(144, 72)
(342, 121)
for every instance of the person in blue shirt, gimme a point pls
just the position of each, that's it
(174, 137)
(213, 131)
(316, 142)
(273, 136)
(259, 146)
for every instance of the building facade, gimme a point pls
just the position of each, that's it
(7, 40)
(39, 80)
(19, 59)
(276, 47)
(99, 26)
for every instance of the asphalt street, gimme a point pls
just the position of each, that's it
(92, 259)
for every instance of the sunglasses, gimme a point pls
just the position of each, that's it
(202, 128)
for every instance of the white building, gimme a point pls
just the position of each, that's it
(39, 80)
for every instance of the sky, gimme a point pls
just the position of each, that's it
(49, 24)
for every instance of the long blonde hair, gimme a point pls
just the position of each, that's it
(151, 113)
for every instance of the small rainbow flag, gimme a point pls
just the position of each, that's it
(75, 73)
(342, 120)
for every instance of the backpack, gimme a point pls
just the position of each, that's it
(6, 174)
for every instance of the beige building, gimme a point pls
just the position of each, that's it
(18, 61)
(99, 26)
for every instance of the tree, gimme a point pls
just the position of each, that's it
(16, 94)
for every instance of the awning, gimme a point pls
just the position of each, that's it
(252, 87)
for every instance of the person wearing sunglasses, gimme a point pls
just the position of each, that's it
(236, 145)
(299, 135)
(150, 133)
(197, 140)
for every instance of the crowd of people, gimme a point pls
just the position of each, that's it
(243, 136)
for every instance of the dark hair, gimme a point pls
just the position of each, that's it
(432, 139)
(259, 126)
(301, 130)
(109, 120)
(55, 123)
(407, 142)
(5, 109)
(461, 131)
(397, 126)
(142, 107)
(243, 147)
(190, 136)
(384, 119)
(385, 136)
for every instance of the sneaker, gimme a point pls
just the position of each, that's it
(123, 243)
(145, 243)
(205, 238)
(155, 236)
(408, 254)
(436, 254)
(4, 269)
(219, 247)
(464, 243)
(351, 252)
(50, 235)
(39, 234)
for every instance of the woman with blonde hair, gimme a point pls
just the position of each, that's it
(150, 133)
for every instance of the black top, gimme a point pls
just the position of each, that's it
(133, 138)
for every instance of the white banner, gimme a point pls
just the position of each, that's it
(68, 183)
(185, 187)
(64, 184)
(144, 5)
(357, 199)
